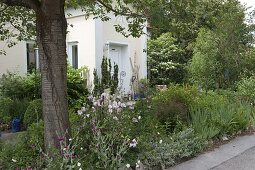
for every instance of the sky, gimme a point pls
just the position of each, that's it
(249, 3)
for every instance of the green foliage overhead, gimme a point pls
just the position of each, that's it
(204, 67)
(219, 54)
(19, 23)
(16, 24)
(184, 19)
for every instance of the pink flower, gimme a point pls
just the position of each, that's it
(61, 138)
(29, 168)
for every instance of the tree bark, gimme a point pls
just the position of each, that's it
(51, 34)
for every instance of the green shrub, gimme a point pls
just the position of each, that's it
(13, 86)
(12, 108)
(19, 107)
(76, 86)
(5, 107)
(35, 134)
(173, 104)
(18, 87)
(166, 60)
(33, 113)
(29, 87)
(246, 87)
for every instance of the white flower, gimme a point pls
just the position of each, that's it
(79, 112)
(158, 133)
(128, 165)
(80, 169)
(137, 165)
(14, 160)
(114, 104)
(110, 110)
(133, 143)
(95, 103)
(119, 104)
(160, 141)
(70, 139)
(78, 164)
(131, 107)
(129, 103)
(123, 105)
(87, 115)
(109, 106)
(139, 117)
(134, 120)
(81, 148)
(64, 149)
(83, 109)
(115, 118)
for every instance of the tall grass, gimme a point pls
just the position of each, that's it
(215, 116)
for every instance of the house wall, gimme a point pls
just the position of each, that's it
(131, 48)
(82, 32)
(15, 59)
(95, 38)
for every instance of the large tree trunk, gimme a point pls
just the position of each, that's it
(51, 34)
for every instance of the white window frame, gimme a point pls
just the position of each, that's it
(70, 53)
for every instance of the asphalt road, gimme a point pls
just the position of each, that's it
(238, 154)
(244, 161)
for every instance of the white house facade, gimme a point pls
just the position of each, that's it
(88, 40)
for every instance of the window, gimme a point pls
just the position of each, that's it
(73, 54)
(31, 60)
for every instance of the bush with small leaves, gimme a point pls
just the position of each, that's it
(33, 113)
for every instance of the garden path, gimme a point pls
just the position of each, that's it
(11, 138)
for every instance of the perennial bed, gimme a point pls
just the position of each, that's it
(110, 132)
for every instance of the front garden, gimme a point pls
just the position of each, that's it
(113, 132)
(203, 51)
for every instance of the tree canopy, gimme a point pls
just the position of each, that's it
(220, 54)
